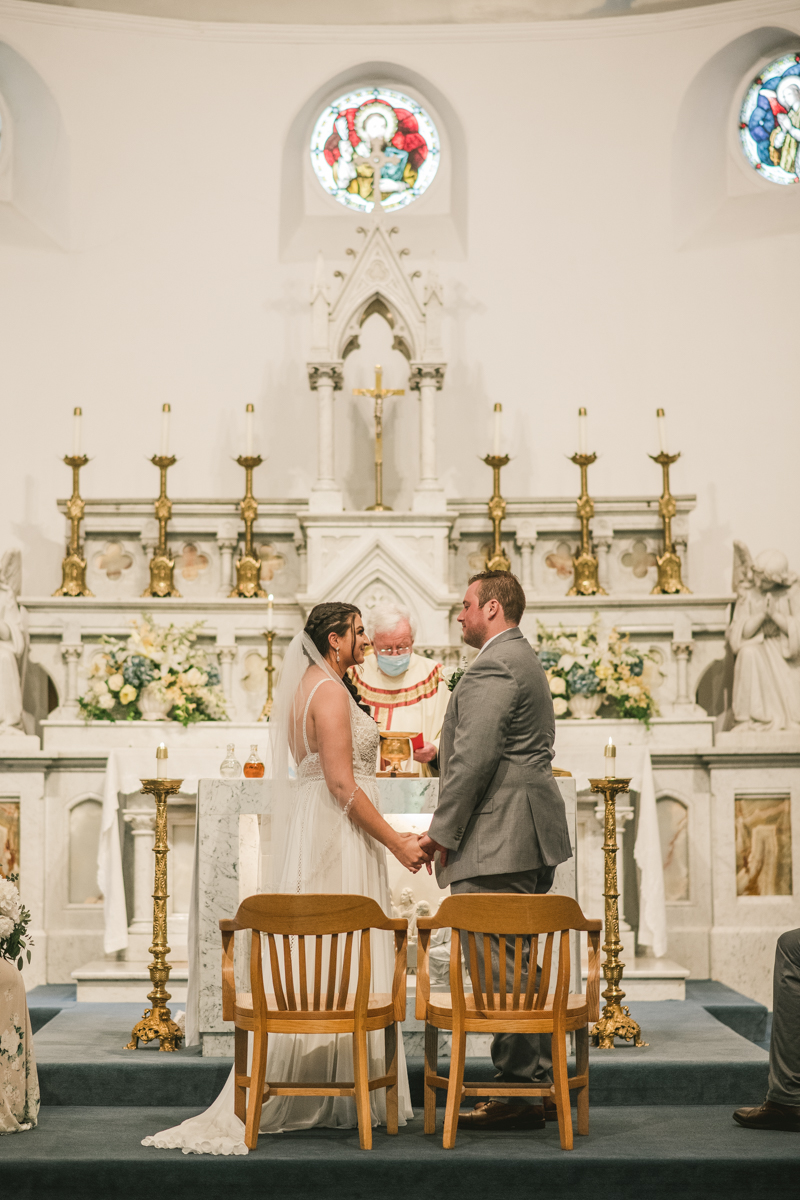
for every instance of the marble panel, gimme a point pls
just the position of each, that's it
(673, 828)
(763, 845)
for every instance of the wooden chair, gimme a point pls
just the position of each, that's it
(492, 1008)
(319, 1002)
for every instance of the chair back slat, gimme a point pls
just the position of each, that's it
(488, 970)
(344, 985)
(544, 982)
(533, 958)
(331, 972)
(317, 971)
(287, 963)
(301, 956)
(501, 972)
(474, 973)
(274, 962)
(517, 972)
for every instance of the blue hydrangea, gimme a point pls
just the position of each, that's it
(213, 675)
(548, 658)
(582, 681)
(636, 667)
(138, 671)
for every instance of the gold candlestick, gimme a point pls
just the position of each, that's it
(669, 582)
(584, 562)
(497, 511)
(378, 394)
(266, 711)
(161, 565)
(73, 565)
(248, 567)
(616, 1020)
(157, 1020)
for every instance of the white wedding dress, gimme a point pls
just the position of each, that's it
(322, 851)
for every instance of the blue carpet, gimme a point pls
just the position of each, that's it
(745, 1016)
(630, 1154)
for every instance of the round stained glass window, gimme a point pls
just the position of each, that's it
(769, 125)
(375, 133)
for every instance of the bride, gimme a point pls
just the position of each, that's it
(327, 835)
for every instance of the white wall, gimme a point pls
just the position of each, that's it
(592, 261)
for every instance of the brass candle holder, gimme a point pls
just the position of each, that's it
(586, 581)
(73, 565)
(248, 567)
(266, 711)
(616, 1020)
(161, 565)
(669, 582)
(497, 511)
(157, 1020)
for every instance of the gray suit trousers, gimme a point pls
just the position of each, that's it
(784, 1050)
(518, 1057)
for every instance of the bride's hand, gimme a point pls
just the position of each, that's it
(408, 851)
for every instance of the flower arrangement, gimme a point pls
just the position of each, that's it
(158, 673)
(452, 676)
(580, 664)
(14, 922)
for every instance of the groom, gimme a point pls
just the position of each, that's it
(500, 825)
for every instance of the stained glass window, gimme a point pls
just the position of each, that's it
(769, 125)
(375, 131)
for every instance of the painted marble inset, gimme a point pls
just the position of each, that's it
(9, 836)
(673, 828)
(763, 846)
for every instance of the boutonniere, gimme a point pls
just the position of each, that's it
(454, 676)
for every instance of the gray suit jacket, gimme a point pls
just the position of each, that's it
(500, 809)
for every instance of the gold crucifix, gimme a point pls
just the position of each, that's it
(378, 394)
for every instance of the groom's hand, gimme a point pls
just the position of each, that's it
(429, 847)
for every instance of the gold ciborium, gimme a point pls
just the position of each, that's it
(396, 748)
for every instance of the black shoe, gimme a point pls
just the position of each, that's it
(770, 1116)
(496, 1114)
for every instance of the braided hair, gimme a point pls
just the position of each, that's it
(335, 617)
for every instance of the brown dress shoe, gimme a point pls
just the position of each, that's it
(770, 1116)
(496, 1114)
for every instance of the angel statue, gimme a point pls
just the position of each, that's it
(12, 644)
(764, 634)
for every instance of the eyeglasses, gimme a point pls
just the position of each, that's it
(393, 651)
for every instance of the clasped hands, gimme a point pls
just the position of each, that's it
(417, 850)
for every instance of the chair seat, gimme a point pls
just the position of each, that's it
(380, 1013)
(440, 1014)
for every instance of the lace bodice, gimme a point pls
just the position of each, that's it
(366, 740)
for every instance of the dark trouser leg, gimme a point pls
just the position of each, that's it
(784, 1050)
(518, 1057)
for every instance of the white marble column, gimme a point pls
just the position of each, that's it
(427, 379)
(227, 539)
(453, 543)
(140, 930)
(683, 653)
(72, 656)
(526, 536)
(227, 657)
(325, 379)
(301, 546)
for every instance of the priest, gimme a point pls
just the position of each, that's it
(404, 690)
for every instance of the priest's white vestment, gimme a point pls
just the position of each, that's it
(414, 702)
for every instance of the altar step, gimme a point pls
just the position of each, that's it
(646, 978)
(659, 1152)
(114, 981)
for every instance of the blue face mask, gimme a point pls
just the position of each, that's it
(393, 664)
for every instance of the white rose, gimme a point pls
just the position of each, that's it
(6, 927)
(100, 687)
(559, 706)
(106, 702)
(127, 694)
(558, 686)
(9, 1042)
(194, 677)
(10, 905)
(116, 682)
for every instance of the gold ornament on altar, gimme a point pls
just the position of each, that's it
(669, 582)
(378, 394)
(269, 634)
(161, 565)
(615, 1020)
(248, 567)
(395, 749)
(157, 1021)
(497, 560)
(73, 565)
(584, 563)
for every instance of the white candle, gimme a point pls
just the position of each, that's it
(270, 614)
(661, 422)
(162, 755)
(165, 411)
(498, 429)
(249, 417)
(77, 414)
(610, 755)
(582, 431)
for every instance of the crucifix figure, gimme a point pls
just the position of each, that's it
(378, 394)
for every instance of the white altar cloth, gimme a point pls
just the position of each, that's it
(633, 761)
(125, 769)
